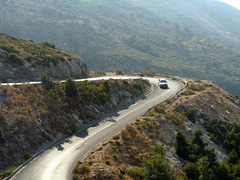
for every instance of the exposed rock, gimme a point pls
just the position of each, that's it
(23, 55)
(3, 54)
(75, 68)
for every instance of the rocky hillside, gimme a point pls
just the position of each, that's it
(22, 60)
(204, 119)
(34, 116)
(188, 38)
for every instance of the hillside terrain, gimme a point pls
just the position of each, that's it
(193, 136)
(34, 116)
(191, 38)
(22, 60)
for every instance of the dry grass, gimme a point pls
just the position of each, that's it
(158, 126)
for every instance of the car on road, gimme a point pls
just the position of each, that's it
(163, 83)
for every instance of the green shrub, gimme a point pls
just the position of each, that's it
(130, 129)
(76, 177)
(135, 172)
(9, 49)
(90, 162)
(47, 83)
(116, 137)
(191, 114)
(191, 170)
(158, 166)
(188, 92)
(108, 162)
(159, 109)
(16, 59)
(6, 173)
(124, 135)
(181, 145)
(48, 44)
(84, 168)
(71, 88)
(28, 156)
(138, 86)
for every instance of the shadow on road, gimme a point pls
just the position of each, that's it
(108, 118)
(60, 147)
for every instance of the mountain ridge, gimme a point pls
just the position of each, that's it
(162, 36)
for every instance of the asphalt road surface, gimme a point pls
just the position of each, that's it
(57, 162)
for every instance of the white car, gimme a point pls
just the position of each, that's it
(163, 83)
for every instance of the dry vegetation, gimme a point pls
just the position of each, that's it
(32, 117)
(122, 155)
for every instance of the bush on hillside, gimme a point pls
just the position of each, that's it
(71, 88)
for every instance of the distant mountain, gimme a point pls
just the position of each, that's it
(194, 38)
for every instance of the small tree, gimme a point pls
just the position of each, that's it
(158, 166)
(51, 96)
(191, 114)
(204, 169)
(118, 72)
(181, 145)
(223, 172)
(47, 83)
(71, 88)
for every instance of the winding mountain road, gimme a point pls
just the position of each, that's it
(57, 162)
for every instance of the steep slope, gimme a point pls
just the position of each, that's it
(32, 117)
(202, 106)
(22, 60)
(187, 38)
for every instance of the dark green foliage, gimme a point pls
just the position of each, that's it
(71, 88)
(51, 98)
(16, 59)
(8, 49)
(191, 170)
(108, 162)
(47, 83)
(204, 169)
(106, 86)
(6, 173)
(2, 138)
(236, 170)
(53, 59)
(181, 145)
(137, 173)
(82, 169)
(157, 167)
(138, 86)
(233, 157)
(217, 130)
(223, 172)
(191, 114)
(228, 135)
(28, 156)
(48, 44)
(194, 149)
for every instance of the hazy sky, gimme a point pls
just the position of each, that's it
(235, 3)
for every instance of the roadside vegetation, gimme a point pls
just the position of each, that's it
(181, 138)
(42, 113)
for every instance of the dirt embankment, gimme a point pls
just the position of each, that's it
(32, 117)
(120, 155)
